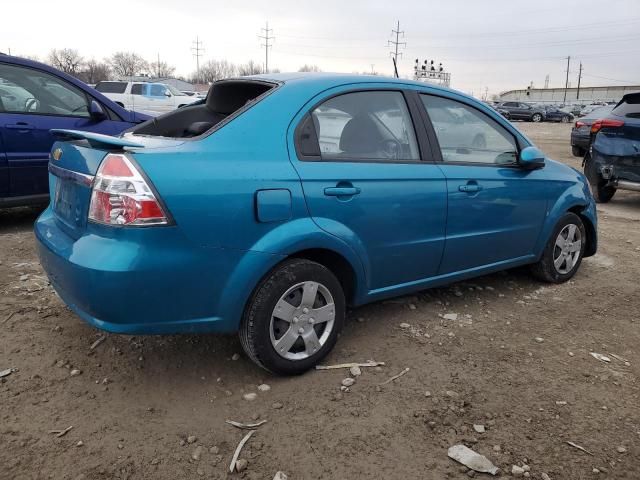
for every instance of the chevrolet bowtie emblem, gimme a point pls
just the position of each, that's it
(57, 153)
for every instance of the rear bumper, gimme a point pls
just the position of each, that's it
(146, 281)
(581, 141)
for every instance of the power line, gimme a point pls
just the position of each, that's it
(198, 51)
(267, 38)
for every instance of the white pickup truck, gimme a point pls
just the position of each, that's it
(144, 96)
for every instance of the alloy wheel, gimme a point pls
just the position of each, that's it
(302, 320)
(567, 249)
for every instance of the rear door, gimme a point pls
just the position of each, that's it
(369, 179)
(496, 209)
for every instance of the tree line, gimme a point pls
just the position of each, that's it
(129, 64)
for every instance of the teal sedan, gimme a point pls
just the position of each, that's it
(276, 202)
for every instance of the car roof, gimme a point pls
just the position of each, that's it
(328, 80)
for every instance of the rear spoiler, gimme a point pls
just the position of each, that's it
(96, 140)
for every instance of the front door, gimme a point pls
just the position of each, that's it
(368, 179)
(4, 168)
(496, 208)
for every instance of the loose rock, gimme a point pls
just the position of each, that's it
(197, 453)
(479, 428)
(235, 356)
(264, 387)
(250, 396)
(355, 371)
(192, 439)
(404, 325)
(347, 382)
(517, 471)
(241, 465)
(75, 372)
(280, 476)
(621, 449)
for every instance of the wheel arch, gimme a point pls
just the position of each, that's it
(575, 199)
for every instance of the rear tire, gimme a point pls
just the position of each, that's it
(577, 151)
(565, 119)
(536, 118)
(283, 293)
(601, 192)
(562, 255)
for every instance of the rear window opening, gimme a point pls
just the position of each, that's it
(111, 87)
(223, 100)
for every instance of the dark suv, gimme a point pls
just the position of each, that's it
(614, 160)
(521, 111)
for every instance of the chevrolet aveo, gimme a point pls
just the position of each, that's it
(276, 202)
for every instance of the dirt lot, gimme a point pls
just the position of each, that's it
(517, 360)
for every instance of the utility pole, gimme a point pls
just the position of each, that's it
(396, 44)
(267, 38)
(197, 50)
(566, 83)
(546, 81)
(579, 78)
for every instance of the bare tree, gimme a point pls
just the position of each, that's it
(309, 68)
(66, 59)
(127, 64)
(249, 68)
(161, 69)
(214, 70)
(94, 72)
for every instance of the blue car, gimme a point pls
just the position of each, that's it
(35, 98)
(279, 201)
(613, 161)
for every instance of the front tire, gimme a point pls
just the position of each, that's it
(294, 317)
(602, 193)
(563, 253)
(536, 118)
(565, 119)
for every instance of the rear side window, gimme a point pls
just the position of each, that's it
(136, 89)
(371, 125)
(111, 87)
(158, 90)
(466, 135)
(629, 106)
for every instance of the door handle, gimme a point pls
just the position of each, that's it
(470, 188)
(341, 191)
(20, 126)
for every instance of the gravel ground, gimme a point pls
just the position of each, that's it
(516, 361)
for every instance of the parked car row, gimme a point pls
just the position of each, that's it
(533, 113)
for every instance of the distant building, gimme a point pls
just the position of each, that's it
(556, 95)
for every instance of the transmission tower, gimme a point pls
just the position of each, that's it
(396, 45)
(266, 36)
(198, 51)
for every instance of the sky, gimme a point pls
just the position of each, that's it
(486, 45)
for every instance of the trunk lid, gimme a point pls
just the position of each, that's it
(73, 163)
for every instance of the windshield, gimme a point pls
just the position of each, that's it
(175, 91)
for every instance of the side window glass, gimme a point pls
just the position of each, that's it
(306, 138)
(158, 90)
(136, 89)
(25, 90)
(372, 125)
(468, 135)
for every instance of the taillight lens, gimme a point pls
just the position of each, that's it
(580, 124)
(121, 196)
(605, 122)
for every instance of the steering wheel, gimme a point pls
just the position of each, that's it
(391, 148)
(31, 105)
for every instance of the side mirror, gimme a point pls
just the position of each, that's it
(167, 94)
(96, 112)
(531, 158)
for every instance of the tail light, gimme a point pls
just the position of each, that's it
(580, 123)
(121, 196)
(605, 122)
